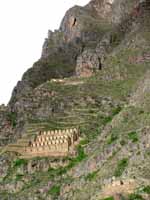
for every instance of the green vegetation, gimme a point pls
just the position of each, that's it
(122, 142)
(133, 136)
(135, 197)
(54, 191)
(122, 164)
(19, 162)
(109, 198)
(81, 156)
(72, 162)
(84, 142)
(145, 189)
(18, 177)
(116, 111)
(57, 172)
(107, 120)
(91, 176)
(112, 138)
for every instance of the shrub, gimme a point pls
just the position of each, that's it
(133, 136)
(122, 142)
(81, 156)
(112, 138)
(19, 177)
(135, 197)
(91, 176)
(56, 172)
(19, 162)
(109, 198)
(122, 164)
(146, 189)
(116, 111)
(141, 112)
(107, 120)
(55, 190)
(72, 162)
(84, 142)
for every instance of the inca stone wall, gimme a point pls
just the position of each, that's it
(53, 143)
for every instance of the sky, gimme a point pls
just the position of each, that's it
(23, 27)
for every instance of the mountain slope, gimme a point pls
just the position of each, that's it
(100, 83)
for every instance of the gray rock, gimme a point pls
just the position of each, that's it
(88, 63)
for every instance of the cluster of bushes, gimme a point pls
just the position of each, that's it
(133, 136)
(72, 162)
(19, 162)
(122, 164)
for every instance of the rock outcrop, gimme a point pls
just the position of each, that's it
(88, 63)
(80, 28)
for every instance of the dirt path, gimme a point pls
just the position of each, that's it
(67, 81)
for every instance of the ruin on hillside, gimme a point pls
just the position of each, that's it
(53, 143)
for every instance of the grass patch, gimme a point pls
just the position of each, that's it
(135, 197)
(109, 198)
(116, 110)
(145, 189)
(19, 162)
(54, 191)
(91, 176)
(84, 142)
(81, 156)
(57, 172)
(72, 162)
(112, 138)
(18, 177)
(133, 136)
(122, 164)
(107, 120)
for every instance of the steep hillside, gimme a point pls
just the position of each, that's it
(93, 75)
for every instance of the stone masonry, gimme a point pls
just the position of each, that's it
(53, 143)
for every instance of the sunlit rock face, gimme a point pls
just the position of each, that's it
(78, 20)
(82, 28)
(102, 8)
(77, 25)
(88, 63)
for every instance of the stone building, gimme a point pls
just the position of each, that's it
(53, 143)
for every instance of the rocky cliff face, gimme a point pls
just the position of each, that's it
(93, 74)
(79, 28)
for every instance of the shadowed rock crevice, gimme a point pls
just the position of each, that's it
(74, 22)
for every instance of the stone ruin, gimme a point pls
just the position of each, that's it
(53, 143)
